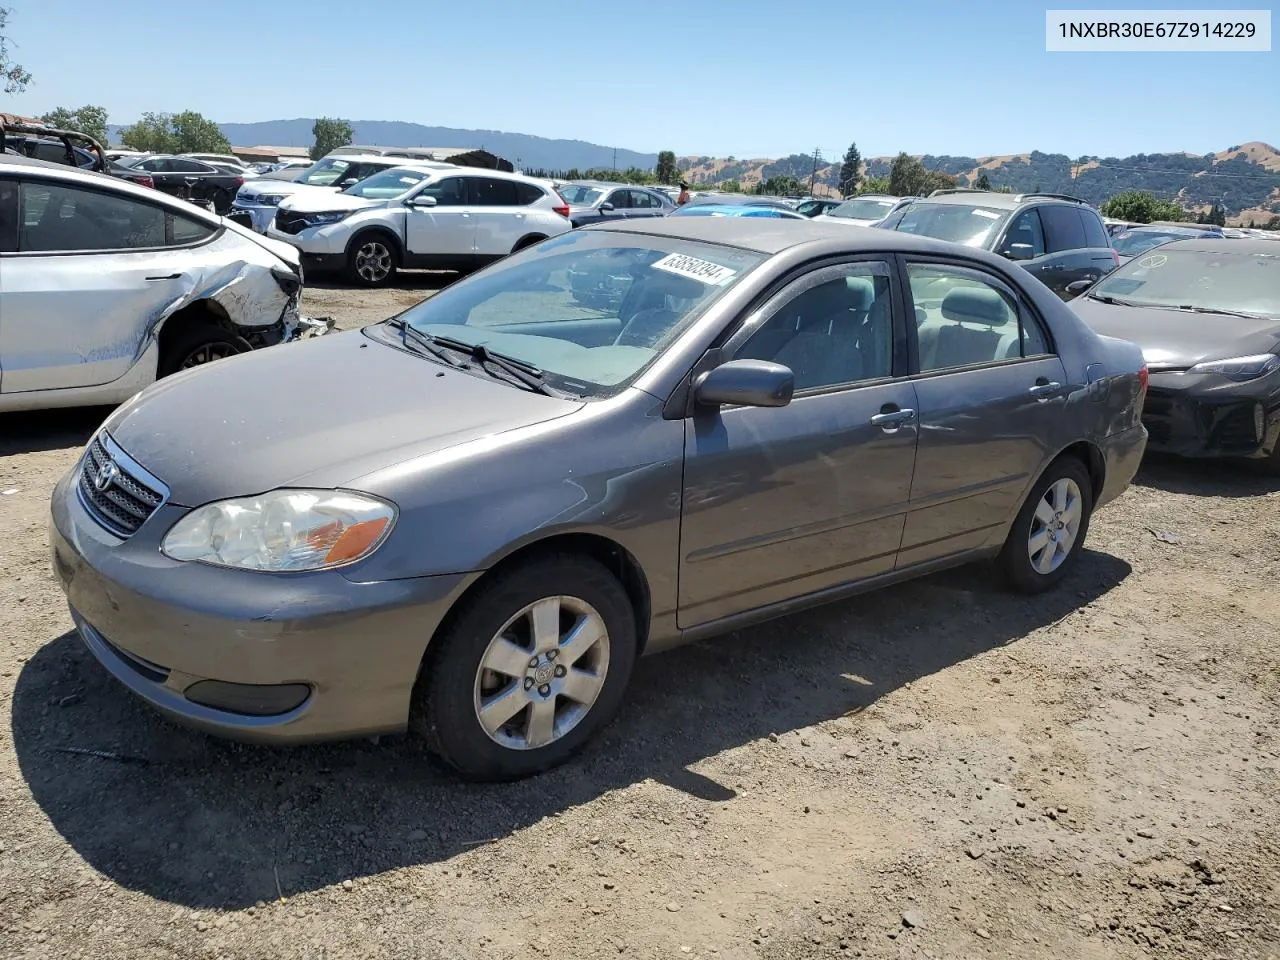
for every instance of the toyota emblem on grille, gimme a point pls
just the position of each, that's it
(106, 475)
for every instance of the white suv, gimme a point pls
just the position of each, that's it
(326, 176)
(454, 219)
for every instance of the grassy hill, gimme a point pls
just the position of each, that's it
(1244, 179)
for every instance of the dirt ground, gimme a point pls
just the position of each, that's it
(940, 770)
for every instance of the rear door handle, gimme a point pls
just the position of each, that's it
(1044, 391)
(892, 419)
(172, 276)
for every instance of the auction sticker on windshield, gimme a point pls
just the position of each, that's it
(703, 271)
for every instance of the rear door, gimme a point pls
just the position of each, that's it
(499, 215)
(644, 204)
(1064, 237)
(991, 394)
(1102, 255)
(92, 272)
(447, 230)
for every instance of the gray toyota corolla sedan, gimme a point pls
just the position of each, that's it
(524, 482)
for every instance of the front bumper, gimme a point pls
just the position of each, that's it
(261, 216)
(160, 627)
(1204, 415)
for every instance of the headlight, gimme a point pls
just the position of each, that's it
(320, 219)
(268, 199)
(284, 530)
(1240, 368)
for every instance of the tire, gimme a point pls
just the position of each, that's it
(1064, 485)
(197, 344)
(496, 626)
(372, 260)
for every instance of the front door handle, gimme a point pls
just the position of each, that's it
(1045, 390)
(890, 420)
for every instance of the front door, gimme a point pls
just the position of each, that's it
(991, 395)
(783, 502)
(447, 230)
(90, 276)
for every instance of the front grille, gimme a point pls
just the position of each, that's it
(111, 492)
(289, 222)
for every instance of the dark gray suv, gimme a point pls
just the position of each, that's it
(1059, 239)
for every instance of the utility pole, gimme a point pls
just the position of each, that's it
(817, 155)
(615, 159)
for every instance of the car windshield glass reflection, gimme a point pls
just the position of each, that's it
(1133, 242)
(956, 222)
(862, 209)
(1244, 282)
(580, 196)
(325, 173)
(386, 185)
(590, 312)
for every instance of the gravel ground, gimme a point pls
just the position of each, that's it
(937, 770)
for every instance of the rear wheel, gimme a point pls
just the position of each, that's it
(197, 344)
(528, 671)
(527, 242)
(1049, 532)
(371, 260)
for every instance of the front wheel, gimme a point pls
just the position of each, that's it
(1049, 532)
(371, 261)
(197, 345)
(534, 664)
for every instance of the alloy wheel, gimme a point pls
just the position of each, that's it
(541, 673)
(207, 353)
(373, 261)
(1055, 525)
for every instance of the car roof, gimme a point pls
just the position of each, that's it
(769, 235)
(1240, 245)
(736, 209)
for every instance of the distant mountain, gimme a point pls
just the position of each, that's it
(525, 151)
(1244, 179)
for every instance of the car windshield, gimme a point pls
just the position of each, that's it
(862, 209)
(1133, 242)
(589, 311)
(957, 222)
(1225, 279)
(580, 196)
(387, 185)
(326, 173)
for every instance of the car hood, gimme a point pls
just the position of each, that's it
(1178, 338)
(319, 412)
(316, 201)
(280, 188)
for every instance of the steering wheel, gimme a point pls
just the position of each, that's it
(646, 328)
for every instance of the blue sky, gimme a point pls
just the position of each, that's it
(760, 78)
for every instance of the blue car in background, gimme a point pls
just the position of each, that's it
(735, 210)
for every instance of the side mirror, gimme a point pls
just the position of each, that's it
(348, 183)
(1020, 251)
(1079, 286)
(606, 207)
(422, 200)
(746, 383)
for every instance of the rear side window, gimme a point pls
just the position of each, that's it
(1095, 234)
(641, 199)
(183, 230)
(527, 193)
(1063, 229)
(8, 216)
(491, 192)
(57, 218)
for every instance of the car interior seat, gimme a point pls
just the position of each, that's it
(972, 331)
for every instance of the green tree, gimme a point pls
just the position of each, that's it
(666, 170)
(983, 182)
(330, 134)
(874, 185)
(730, 186)
(1273, 223)
(850, 171)
(186, 132)
(780, 186)
(15, 76)
(1139, 206)
(87, 119)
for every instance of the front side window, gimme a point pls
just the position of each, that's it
(957, 222)
(833, 327)
(590, 311)
(449, 192)
(963, 319)
(621, 199)
(1026, 233)
(60, 218)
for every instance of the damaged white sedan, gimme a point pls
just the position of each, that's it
(106, 286)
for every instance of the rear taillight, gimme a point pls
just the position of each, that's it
(563, 208)
(1115, 256)
(1144, 377)
(145, 182)
(239, 182)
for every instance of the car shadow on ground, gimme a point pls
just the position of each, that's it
(49, 429)
(205, 823)
(1205, 478)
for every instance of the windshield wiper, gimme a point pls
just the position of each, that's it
(1120, 301)
(424, 343)
(512, 370)
(1225, 313)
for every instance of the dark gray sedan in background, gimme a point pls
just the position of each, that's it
(593, 202)
(515, 494)
(1206, 314)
